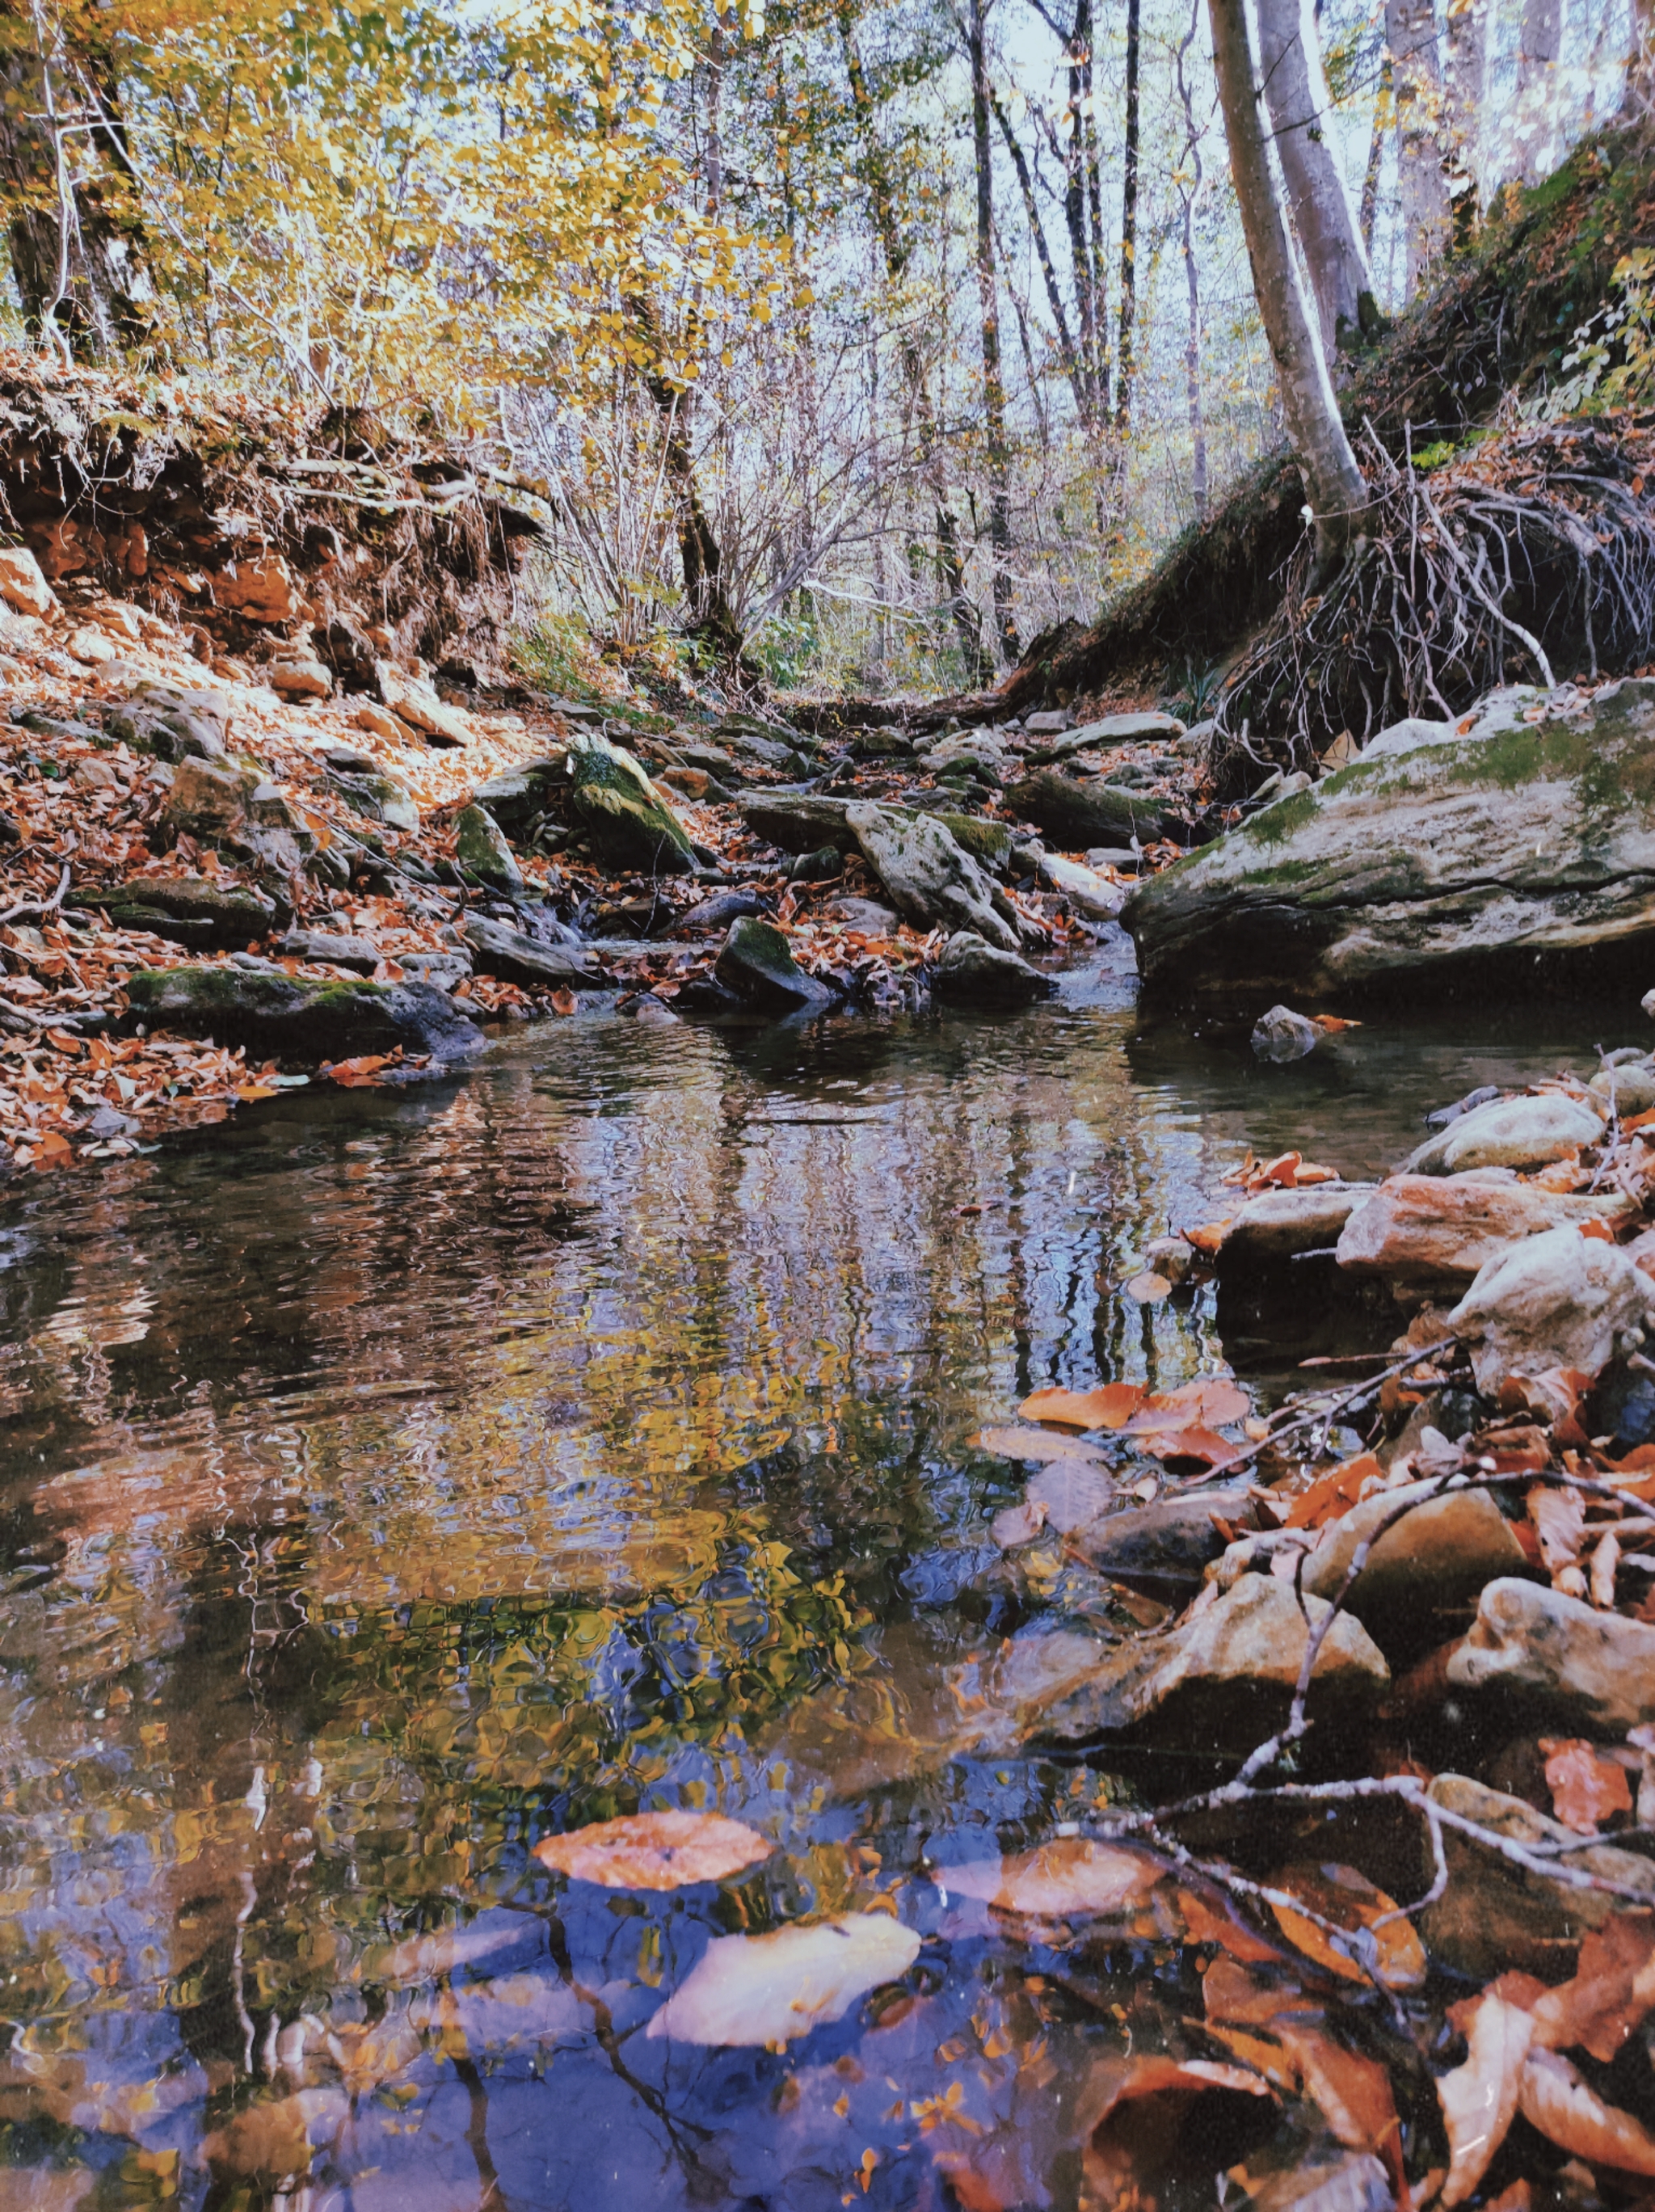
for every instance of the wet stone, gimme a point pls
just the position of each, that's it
(303, 1017)
(757, 964)
(973, 973)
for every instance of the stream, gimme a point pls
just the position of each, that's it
(391, 1479)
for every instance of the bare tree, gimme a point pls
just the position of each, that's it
(1336, 494)
(1468, 63)
(1296, 87)
(1190, 179)
(1539, 48)
(1129, 198)
(994, 395)
(1410, 33)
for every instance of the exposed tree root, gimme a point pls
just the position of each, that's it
(1532, 562)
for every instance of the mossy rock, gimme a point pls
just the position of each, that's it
(519, 796)
(480, 851)
(192, 910)
(302, 1018)
(629, 823)
(987, 842)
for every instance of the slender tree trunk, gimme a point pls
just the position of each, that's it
(1335, 491)
(79, 261)
(1129, 198)
(1410, 33)
(1638, 94)
(1089, 307)
(1384, 116)
(1296, 92)
(1539, 50)
(1073, 368)
(1467, 59)
(994, 397)
(1191, 167)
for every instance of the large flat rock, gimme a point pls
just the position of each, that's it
(1520, 847)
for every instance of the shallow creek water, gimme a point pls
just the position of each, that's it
(391, 1479)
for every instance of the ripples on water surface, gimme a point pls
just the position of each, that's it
(394, 1479)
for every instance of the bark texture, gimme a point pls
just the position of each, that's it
(1539, 50)
(994, 396)
(1296, 91)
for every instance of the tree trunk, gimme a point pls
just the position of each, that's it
(1296, 91)
(1384, 116)
(1191, 169)
(1468, 58)
(78, 260)
(1089, 307)
(994, 397)
(1335, 491)
(1540, 47)
(1410, 33)
(1074, 369)
(1129, 195)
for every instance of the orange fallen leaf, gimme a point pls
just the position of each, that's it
(1479, 2098)
(1585, 1787)
(1598, 1230)
(1569, 2112)
(249, 1093)
(1069, 1878)
(1332, 1495)
(1209, 1403)
(1612, 1991)
(1331, 1025)
(1210, 1922)
(1208, 1238)
(1200, 1446)
(562, 1002)
(1110, 1406)
(1135, 2113)
(655, 1850)
(1350, 1901)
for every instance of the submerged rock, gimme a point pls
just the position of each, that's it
(1556, 1300)
(1432, 1229)
(974, 973)
(757, 964)
(480, 850)
(628, 822)
(1597, 1667)
(301, 1016)
(1280, 1035)
(1510, 1133)
(1515, 845)
(930, 880)
(1164, 1548)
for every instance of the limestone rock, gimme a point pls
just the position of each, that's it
(210, 798)
(90, 645)
(519, 797)
(1280, 1035)
(1079, 812)
(517, 958)
(1519, 846)
(1510, 1133)
(757, 964)
(1425, 1572)
(930, 879)
(1272, 1228)
(330, 948)
(1047, 722)
(1555, 1300)
(21, 584)
(192, 910)
(865, 915)
(1112, 730)
(989, 842)
(974, 973)
(299, 679)
(415, 701)
(1164, 1548)
(1226, 1677)
(171, 722)
(1631, 1086)
(1597, 1667)
(370, 791)
(798, 823)
(1495, 1914)
(301, 1016)
(1087, 892)
(717, 912)
(480, 851)
(1426, 1229)
(257, 584)
(627, 821)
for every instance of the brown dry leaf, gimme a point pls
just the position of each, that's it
(1348, 1899)
(1605, 1565)
(1567, 2111)
(1479, 2098)
(1558, 1519)
(1333, 1494)
(1036, 1444)
(1071, 1493)
(1553, 1397)
(1216, 1921)
(772, 1988)
(655, 1850)
(1135, 2112)
(562, 1002)
(1613, 1990)
(1110, 1406)
(1017, 1525)
(1585, 1787)
(1148, 1288)
(1331, 1025)
(1209, 1403)
(1208, 1237)
(1070, 1878)
(359, 1074)
(1198, 1447)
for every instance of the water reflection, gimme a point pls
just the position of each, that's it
(391, 1480)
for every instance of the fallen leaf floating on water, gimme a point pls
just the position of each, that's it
(1331, 1025)
(770, 1989)
(1141, 2131)
(1035, 1444)
(1479, 2098)
(1148, 1288)
(1071, 1493)
(1585, 1787)
(1210, 1403)
(1110, 1406)
(1208, 1237)
(1612, 1991)
(1196, 1447)
(1215, 1920)
(655, 1850)
(1072, 1878)
(1348, 1899)
(1553, 2099)
(1287, 1171)
(423, 1958)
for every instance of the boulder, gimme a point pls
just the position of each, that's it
(1281, 1035)
(192, 910)
(929, 879)
(171, 722)
(1271, 1229)
(302, 1018)
(629, 823)
(1223, 1679)
(1596, 1670)
(259, 585)
(798, 823)
(864, 915)
(210, 799)
(1556, 1300)
(1495, 1914)
(1086, 890)
(989, 842)
(1112, 730)
(717, 912)
(967, 755)
(1425, 1572)
(299, 679)
(519, 796)
(757, 964)
(741, 733)
(1163, 1548)
(1047, 722)
(1079, 813)
(331, 949)
(1431, 1229)
(21, 584)
(1630, 1087)
(370, 792)
(1513, 847)
(1509, 1133)
(482, 853)
(975, 973)
(517, 958)
(413, 701)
